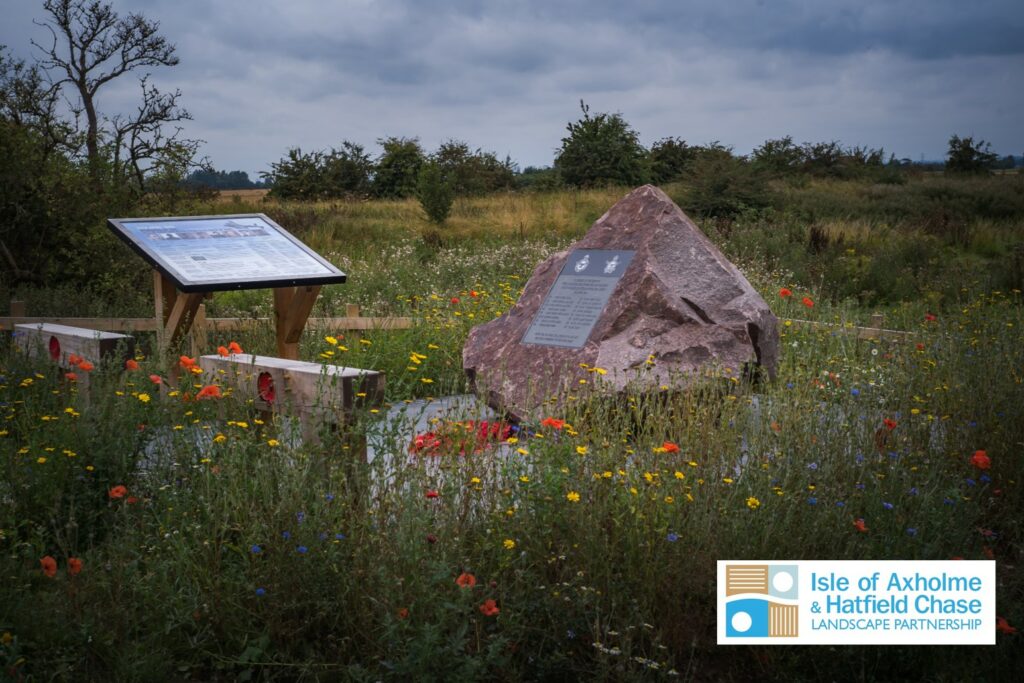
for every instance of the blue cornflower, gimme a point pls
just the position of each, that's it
(812, 466)
(261, 591)
(840, 504)
(789, 385)
(913, 491)
(256, 549)
(300, 516)
(860, 486)
(855, 392)
(887, 506)
(323, 536)
(948, 501)
(672, 537)
(302, 549)
(339, 536)
(970, 482)
(911, 531)
(812, 501)
(860, 459)
(286, 535)
(984, 479)
(329, 497)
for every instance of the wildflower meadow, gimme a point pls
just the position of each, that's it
(153, 529)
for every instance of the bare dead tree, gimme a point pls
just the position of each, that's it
(90, 46)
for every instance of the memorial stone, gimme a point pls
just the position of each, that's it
(645, 296)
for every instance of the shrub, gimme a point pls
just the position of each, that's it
(435, 193)
(600, 150)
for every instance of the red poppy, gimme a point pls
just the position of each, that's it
(186, 362)
(455, 299)
(473, 293)
(552, 422)
(919, 346)
(489, 608)
(210, 391)
(74, 359)
(155, 379)
(131, 364)
(233, 347)
(930, 317)
(131, 500)
(889, 424)
(776, 427)
(465, 580)
(1003, 626)
(403, 613)
(118, 491)
(860, 525)
(49, 566)
(223, 351)
(70, 376)
(785, 292)
(431, 539)
(981, 460)
(807, 302)
(86, 366)
(670, 447)
(74, 566)
(431, 494)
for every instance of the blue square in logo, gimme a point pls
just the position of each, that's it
(747, 618)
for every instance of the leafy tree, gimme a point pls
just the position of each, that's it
(778, 157)
(90, 46)
(473, 172)
(724, 186)
(221, 180)
(601, 149)
(398, 167)
(966, 156)
(347, 172)
(297, 176)
(669, 158)
(435, 192)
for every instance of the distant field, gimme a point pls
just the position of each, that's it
(226, 196)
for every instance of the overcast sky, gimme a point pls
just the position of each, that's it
(260, 77)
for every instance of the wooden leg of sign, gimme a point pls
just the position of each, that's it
(175, 312)
(292, 306)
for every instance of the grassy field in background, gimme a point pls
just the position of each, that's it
(235, 554)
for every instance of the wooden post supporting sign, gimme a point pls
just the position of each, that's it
(292, 306)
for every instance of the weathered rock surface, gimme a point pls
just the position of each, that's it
(680, 303)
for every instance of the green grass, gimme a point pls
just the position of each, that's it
(201, 577)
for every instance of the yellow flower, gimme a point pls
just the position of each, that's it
(509, 544)
(474, 480)
(144, 398)
(669, 499)
(582, 450)
(512, 440)
(273, 442)
(522, 451)
(680, 475)
(753, 503)
(727, 480)
(333, 341)
(525, 479)
(572, 497)
(220, 438)
(41, 460)
(601, 371)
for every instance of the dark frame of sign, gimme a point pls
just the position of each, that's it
(319, 270)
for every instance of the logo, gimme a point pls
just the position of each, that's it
(761, 601)
(582, 264)
(610, 266)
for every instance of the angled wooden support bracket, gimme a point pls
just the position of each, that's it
(292, 306)
(175, 310)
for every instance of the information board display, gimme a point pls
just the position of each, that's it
(210, 253)
(572, 307)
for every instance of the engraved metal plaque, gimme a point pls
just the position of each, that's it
(572, 307)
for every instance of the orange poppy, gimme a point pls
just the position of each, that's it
(403, 613)
(118, 491)
(981, 460)
(210, 391)
(670, 447)
(74, 359)
(785, 292)
(489, 608)
(552, 422)
(70, 376)
(74, 566)
(860, 525)
(86, 366)
(233, 347)
(49, 566)
(186, 362)
(808, 302)
(466, 580)
(131, 364)
(223, 351)
(1003, 626)
(155, 379)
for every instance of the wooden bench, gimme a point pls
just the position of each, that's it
(315, 393)
(60, 342)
